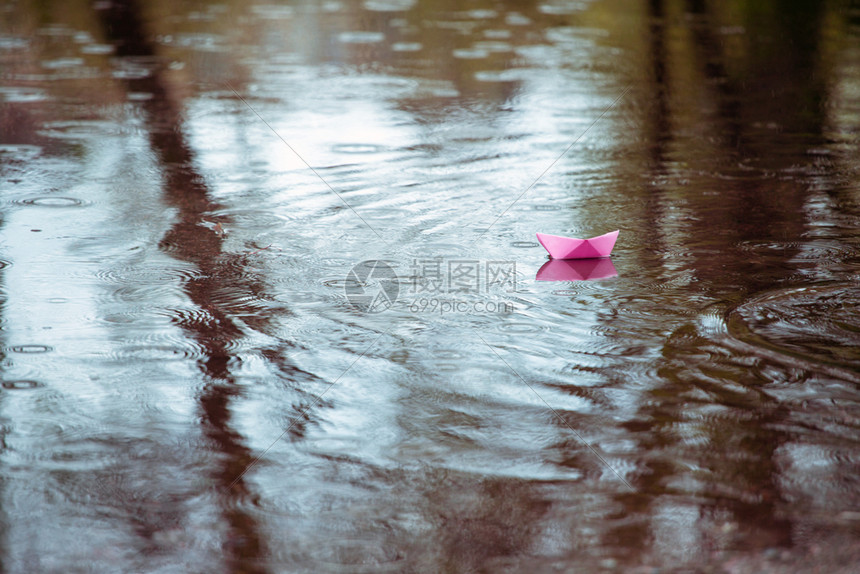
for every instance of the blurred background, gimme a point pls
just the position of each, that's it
(186, 386)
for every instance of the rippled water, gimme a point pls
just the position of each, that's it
(197, 374)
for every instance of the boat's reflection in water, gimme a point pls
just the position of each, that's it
(576, 269)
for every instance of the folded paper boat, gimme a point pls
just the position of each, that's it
(576, 269)
(571, 248)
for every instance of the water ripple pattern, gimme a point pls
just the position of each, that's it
(816, 323)
(188, 382)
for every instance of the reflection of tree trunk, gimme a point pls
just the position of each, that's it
(636, 536)
(188, 239)
(4, 520)
(711, 60)
(745, 457)
(768, 92)
(739, 473)
(741, 448)
(17, 126)
(661, 126)
(660, 123)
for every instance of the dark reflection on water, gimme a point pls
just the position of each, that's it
(213, 327)
(186, 386)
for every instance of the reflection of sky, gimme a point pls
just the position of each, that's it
(72, 285)
(354, 128)
(353, 133)
(107, 423)
(345, 127)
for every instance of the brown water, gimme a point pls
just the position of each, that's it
(191, 383)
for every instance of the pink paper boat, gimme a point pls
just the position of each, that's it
(571, 248)
(576, 269)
